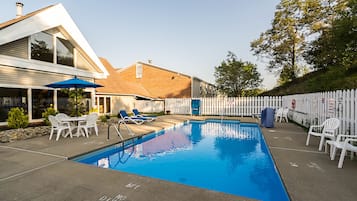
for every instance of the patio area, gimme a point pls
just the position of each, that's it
(38, 169)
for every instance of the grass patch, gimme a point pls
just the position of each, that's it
(323, 80)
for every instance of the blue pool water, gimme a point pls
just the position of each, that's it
(225, 156)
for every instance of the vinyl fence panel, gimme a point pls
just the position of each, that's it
(315, 108)
(304, 109)
(224, 106)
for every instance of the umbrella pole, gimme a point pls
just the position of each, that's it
(76, 102)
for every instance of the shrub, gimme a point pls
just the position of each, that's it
(93, 109)
(17, 118)
(49, 111)
(104, 118)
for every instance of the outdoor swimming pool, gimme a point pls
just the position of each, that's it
(225, 156)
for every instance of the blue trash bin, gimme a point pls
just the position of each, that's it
(263, 117)
(267, 117)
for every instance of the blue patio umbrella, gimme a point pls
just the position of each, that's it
(74, 83)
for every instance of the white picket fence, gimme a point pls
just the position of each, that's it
(304, 109)
(150, 106)
(231, 106)
(315, 108)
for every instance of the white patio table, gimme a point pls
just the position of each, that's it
(76, 121)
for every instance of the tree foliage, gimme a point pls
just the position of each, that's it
(295, 24)
(234, 77)
(337, 45)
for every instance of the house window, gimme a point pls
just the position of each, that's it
(65, 104)
(107, 105)
(64, 52)
(42, 47)
(139, 70)
(41, 99)
(10, 98)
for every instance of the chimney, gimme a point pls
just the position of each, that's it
(19, 7)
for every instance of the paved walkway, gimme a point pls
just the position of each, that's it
(38, 169)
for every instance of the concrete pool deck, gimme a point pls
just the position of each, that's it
(39, 169)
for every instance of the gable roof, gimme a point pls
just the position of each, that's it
(54, 16)
(113, 84)
(153, 66)
(13, 21)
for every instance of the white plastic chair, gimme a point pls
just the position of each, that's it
(345, 143)
(282, 113)
(58, 126)
(90, 122)
(285, 114)
(61, 116)
(278, 114)
(325, 130)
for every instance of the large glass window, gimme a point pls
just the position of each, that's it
(41, 99)
(101, 105)
(107, 101)
(64, 104)
(42, 47)
(64, 52)
(10, 98)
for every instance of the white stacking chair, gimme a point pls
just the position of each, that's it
(278, 114)
(61, 116)
(88, 124)
(325, 130)
(285, 114)
(345, 143)
(58, 126)
(282, 113)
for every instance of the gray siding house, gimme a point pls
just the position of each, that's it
(39, 48)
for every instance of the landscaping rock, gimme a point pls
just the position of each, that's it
(23, 133)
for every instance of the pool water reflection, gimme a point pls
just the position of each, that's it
(225, 156)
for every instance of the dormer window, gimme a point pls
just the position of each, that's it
(139, 70)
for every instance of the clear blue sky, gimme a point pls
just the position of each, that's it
(187, 36)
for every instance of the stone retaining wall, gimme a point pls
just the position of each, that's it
(23, 133)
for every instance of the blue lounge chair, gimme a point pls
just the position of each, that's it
(127, 119)
(138, 114)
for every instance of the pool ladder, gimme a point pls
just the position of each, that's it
(117, 129)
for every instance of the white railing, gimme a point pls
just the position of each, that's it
(315, 108)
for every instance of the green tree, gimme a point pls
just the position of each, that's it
(234, 76)
(282, 44)
(295, 24)
(337, 45)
